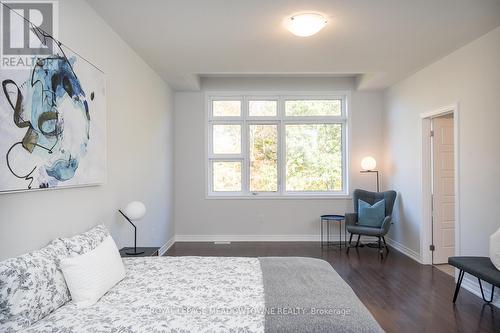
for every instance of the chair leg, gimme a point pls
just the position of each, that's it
(482, 293)
(459, 282)
(350, 239)
(385, 244)
(349, 246)
(380, 248)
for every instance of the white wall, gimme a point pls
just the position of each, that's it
(470, 77)
(198, 218)
(139, 151)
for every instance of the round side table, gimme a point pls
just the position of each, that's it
(332, 218)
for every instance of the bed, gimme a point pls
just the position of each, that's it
(216, 294)
(185, 294)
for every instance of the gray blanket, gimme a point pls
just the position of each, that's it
(307, 295)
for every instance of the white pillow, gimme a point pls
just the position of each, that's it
(90, 275)
(495, 249)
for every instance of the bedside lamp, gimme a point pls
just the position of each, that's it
(134, 211)
(368, 164)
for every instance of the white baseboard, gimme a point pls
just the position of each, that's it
(263, 238)
(404, 250)
(470, 283)
(248, 238)
(166, 246)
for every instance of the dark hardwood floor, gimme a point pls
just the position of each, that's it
(402, 295)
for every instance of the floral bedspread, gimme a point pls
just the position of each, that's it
(172, 294)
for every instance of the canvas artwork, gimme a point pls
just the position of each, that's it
(52, 123)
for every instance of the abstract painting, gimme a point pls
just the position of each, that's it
(52, 123)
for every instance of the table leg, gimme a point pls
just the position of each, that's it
(340, 236)
(327, 232)
(321, 230)
(345, 234)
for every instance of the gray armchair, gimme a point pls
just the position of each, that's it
(351, 219)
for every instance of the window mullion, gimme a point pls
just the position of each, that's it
(245, 149)
(281, 147)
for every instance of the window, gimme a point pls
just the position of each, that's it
(263, 145)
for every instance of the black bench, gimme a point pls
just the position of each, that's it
(480, 267)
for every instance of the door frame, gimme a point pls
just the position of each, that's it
(426, 179)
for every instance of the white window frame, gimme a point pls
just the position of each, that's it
(280, 120)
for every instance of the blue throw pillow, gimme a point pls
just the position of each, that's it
(371, 216)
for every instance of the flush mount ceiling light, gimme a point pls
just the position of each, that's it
(306, 24)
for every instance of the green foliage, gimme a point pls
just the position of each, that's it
(227, 139)
(263, 158)
(313, 152)
(314, 157)
(227, 176)
(226, 108)
(262, 108)
(313, 108)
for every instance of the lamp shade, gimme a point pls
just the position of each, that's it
(135, 210)
(368, 163)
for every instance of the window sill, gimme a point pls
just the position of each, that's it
(278, 197)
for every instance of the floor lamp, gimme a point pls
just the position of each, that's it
(368, 164)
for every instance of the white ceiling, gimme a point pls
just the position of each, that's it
(379, 41)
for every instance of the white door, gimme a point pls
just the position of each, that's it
(443, 186)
